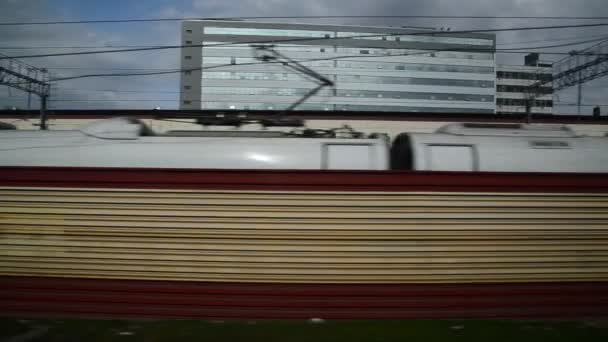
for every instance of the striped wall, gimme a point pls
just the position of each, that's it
(353, 237)
(395, 245)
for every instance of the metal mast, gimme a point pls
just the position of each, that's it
(25, 77)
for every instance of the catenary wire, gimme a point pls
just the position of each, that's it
(307, 39)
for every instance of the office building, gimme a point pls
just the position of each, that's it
(518, 84)
(373, 68)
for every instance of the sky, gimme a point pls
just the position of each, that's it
(163, 91)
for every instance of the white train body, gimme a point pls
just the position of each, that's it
(502, 148)
(120, 143)
(458, 147)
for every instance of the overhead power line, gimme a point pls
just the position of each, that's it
(306, 60)
(426, 51)
(557, 39)
(147, 20)
(101, 68)
(174, 71)
(114, 100)
(116, 90)
(308, 39)
(79, 47)
(601, 37)
(169, 71)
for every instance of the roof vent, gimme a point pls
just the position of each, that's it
(115, 128)
(492, 129)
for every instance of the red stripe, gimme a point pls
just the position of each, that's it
(320, 302)
(31, 296)
(301, 180)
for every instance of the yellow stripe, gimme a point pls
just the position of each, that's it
(321, 237)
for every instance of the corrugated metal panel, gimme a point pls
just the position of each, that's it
(304, 237)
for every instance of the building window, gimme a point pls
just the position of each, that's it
(188, 42)
(187, 87)
(187, 57)
(188, 31)
(188, 73)
(364, 52)
(322, 49)
(263, 32)
(233, 60)
(187, 102)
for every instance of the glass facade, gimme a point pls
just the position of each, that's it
(524, 76)
(416, 38)
(515, 86)
(414, 81)
(265, 32)
(415, 67)
(343, 79)
(370, 71)
(342, 107)
(356, 52)
(349, 93)
(523, 89)
(522, 102)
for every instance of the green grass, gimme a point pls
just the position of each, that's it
(294, 331)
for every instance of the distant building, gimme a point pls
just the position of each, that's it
(378, 69)
(517, 83)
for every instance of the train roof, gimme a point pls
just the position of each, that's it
(513, 130)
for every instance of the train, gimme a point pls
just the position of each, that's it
(471, 221)
(127, 142)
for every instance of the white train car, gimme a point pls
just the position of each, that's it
(500, 148)
(122, 142)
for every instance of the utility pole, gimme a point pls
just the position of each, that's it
(580, 96)
(43, 116)
(19, 75)
(529, 100)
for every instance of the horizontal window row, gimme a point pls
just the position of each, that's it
(224, 75)
(413, 95)
(524, 76)
(378, 52)
(523, 102)
(278, 47)
(263, 91)
(260, 76)
(228, 60)
(392, 36)
(364, 65)
(232, 45)
(347, 93)
(522, 111)
(415, 67)
(414, 81)
(266, 32)
(418, 53)
(524, 89)
(340, 107)
(416, 38)
(249, 60)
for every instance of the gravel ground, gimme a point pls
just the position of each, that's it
(317, 330)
